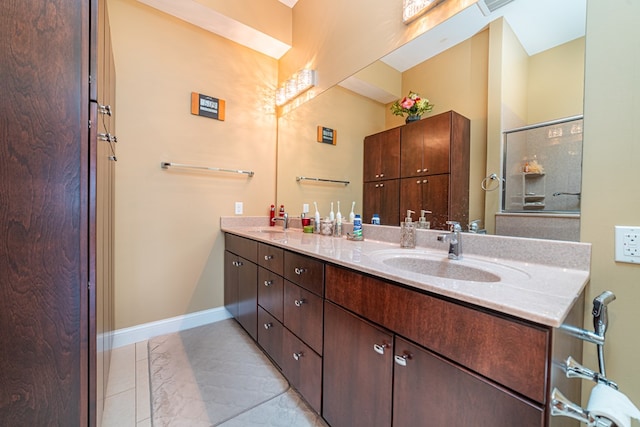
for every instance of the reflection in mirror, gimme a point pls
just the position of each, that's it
(487, 76)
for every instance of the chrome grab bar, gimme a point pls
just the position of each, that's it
(306, 178)
(166, 165)
(575, 370)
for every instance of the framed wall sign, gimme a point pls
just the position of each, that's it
(327, 135)
(207, 106)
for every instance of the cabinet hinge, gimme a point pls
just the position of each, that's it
(89, 124)
(90, 79)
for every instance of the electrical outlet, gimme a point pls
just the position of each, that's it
(627, 244)
(238, 208)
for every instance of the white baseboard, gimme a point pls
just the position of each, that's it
(134, 334)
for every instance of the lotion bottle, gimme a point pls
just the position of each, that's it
(408, 232)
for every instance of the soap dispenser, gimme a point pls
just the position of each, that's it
(408, 232)
(423, 224)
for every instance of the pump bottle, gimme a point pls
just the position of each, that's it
(408, 232)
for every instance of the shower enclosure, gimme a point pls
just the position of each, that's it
(542, 167)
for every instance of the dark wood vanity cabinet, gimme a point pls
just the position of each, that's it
(451, 364)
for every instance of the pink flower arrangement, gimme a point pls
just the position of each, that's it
(411, 105)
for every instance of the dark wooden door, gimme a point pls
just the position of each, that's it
(248, 296)
(429, 193)
(429, 390)
(382, 156)
(358, 369)
(303, 368)
(231, 283)
(45, 286)
(437, 143)
(382, 198)
(270, 333)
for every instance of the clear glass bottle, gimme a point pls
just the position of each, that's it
(408, 232)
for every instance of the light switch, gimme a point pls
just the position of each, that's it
(238, 208)
(627, 242)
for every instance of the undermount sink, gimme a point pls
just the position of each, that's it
(435, 264)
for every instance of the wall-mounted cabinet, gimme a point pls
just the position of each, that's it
(433, 170)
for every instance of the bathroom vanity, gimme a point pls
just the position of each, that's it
(371, 334)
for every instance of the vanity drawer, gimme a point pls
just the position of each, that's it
(303, 314)
(270, 292)
(304, 271)
(271, 258)
(303, 368)
(246, 248)
(270, 333)
(510, 352)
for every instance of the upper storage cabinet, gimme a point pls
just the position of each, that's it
(435, 145)
(382, 156)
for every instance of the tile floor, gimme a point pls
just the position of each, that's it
(127, 401)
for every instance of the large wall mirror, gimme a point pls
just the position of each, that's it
(502, 71)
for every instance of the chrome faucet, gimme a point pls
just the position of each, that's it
(285, 220)
(474, 226)
(453, 237)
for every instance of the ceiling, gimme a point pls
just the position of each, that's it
(538, 24)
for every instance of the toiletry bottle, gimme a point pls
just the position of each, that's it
(375, 219)
(357, 227)
(281, 213)
(422, 221)
(351, 214)
(316, 219)
(272, 214)
(332, 215)
(408, 232)
(337, 230)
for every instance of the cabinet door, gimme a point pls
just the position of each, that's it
(270, 333)
(358, 369)
(429, 193)
(248, 296)
(382, 155)
(411, 149)
(231, 283)
(382, 198)
(429, 390)
(437, 144)
(303, 368)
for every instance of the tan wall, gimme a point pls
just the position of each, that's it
(610, 178)
(168, 244)
(339, 37)
(457, 80)
(555, 86)
(299, 153)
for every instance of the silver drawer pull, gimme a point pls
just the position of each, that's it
(299, 270)
(268, 257)
(298, 355)
(237, 263)
(299, 302)
(402, 360)
(268, 325)
(268, 282)
(379, 348)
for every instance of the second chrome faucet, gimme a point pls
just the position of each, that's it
(454, 239)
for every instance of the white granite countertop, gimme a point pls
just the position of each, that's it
(537, 280)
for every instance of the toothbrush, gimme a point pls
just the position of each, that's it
(352, 215)
(316, 218)
(332, 216)
(338, 214)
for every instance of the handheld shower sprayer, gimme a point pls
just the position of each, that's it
(601, 321)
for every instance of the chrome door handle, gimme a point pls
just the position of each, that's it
(379, 348)
(299, 302)
(298, 355)
(299, 270)
(402, 359)
(268, 282)
(268, 257)
(268, 325)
